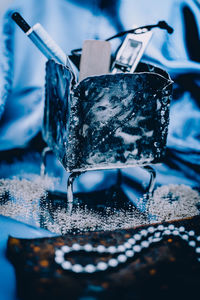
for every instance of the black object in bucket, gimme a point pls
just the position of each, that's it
(107, 121)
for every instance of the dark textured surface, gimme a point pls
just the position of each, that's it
(166, 270)
(108, 121)
(57, 107)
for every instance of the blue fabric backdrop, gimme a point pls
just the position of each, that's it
(22, 69)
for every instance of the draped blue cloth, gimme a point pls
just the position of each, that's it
(22, 68)
(70, 22)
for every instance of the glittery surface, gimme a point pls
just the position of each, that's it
(30, 202)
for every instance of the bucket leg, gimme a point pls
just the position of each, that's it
(43, 163)
(70, 197)
(152, 181)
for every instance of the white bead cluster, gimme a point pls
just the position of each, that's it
(132, 246)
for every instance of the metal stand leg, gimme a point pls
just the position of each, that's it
(152, 180)
(70, 181)
(43, 163)
(70, 197)
(119, 178)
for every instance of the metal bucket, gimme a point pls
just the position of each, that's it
(108, 121)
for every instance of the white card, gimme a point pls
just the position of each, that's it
(95, 58)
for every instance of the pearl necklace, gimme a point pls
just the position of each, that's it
(132, 246)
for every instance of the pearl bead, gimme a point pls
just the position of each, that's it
(144, 232)
(137, 237)
(191, 233)
(101, 249)
(137, 248)
(122, 258)
(90, 268)
(155, 240)
(65, 249)
(129, 253)
(76, 247)
(167, 232)
(198, 250)
(66, 265)
(59, 259)
(185, 237)
(161, 227)
(150, 239)
(127, 245)
(102, 266)
(112, 262)
(112, 249)
(145, 244)
(192, 243)
(175, 232)
(59, 253)
(157, 234)
(181, 229)
(171, 226)
(151, 229)
(121, 248)
(131, 241)
(88, 247)
(77, 268)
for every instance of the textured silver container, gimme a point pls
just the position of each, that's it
(108, 121)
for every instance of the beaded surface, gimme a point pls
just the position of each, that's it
(127, 250)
